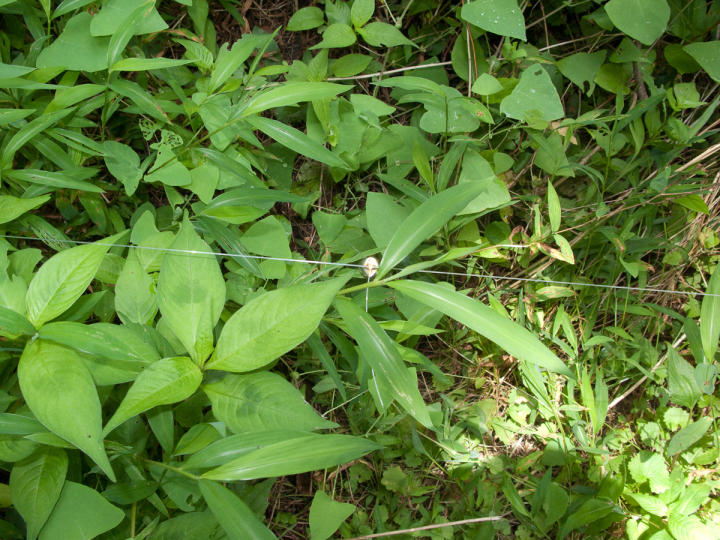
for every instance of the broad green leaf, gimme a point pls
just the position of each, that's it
(140, 97)
(272, 324)
(15, 424)
(688, 436)
(588, 512)
(9, 116)
(81, 513)
(168, 169)
(66, 6)
(115, 354)
(60, 392)
(28, 132)
(235, 517)
(502, 17)
(295, 455)
(554, 208)
(383, 217)
(134, 293)
(644, 20)
(13, 207)
(35, 486)
(124, 164)
(486, 85)
(191, 292)
(535, 97)
(582, 68)
(425, 221)
(67, 97)
(337, 35)
(196, 438)
(122, 35)
(56, 179)
(163, 382)
(650, 503)
(327, 515)
(379, 34)
(230, 59)
(10, 71)
(361, 11)
(383, 357)
(114, 14)
(485, 321)
(476, 170)
(262, 401)
(306, 18)
(146, 64)
(14, 325)
(89, 53)
(707, 54)
(690, 528)
(62, 280)
(682, 385)
(291, 93)
(296, 140)
(710, 317)
(232, 447)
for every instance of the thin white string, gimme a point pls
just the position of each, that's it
(351, 265)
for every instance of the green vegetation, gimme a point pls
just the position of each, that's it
(190, 347)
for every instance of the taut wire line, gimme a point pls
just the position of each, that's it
(362, 266)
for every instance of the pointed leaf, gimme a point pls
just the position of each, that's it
(644, 20)
(62, 280)
(295, 455)
(383, 357)
(688, 436)
(425, 221)
(291, 93)
(295, 140)
(235, 517)
(485, 321)
(262, 401)
(35, 486)
(89, 53)
(710, 317)
(14, 325)
(707, 54)
(56, 179)
(27, 132)
(502, 17)
(14, 207)
(60, 392)
(535, 97)
(272, 324)
(229, 60)
(81, 514)
(327, 515)
(191, 292)
(164, 382)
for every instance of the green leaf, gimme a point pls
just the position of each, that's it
(380, 34)
(62, 280)
(14, 325)
(58, 180)
(306, 18)
(146, 64)
(124, 164)
(502, 17)
(535, 97)
(141, 98)
(476, 170)
(425, 221)
(125, 31)
(115, 354)
(81, 513)
(191, 292)
(163, 382)
(234, 446)
(272, 324)
(114, 14)
(327, 515)
(486, 85)
(262, 401)
(582, 68)
(682, 385)
(88, 53)
(644, 20)
(554, 208)
(710, 317)
(688, 436)
(291, 93)
(60, 392)
(134, 293)
(295, 455)
(234, 516)
(336, 35)
(383, 357)
(361, 12)
(28, 132)
(485, 321)
(229, 60)
(296, 140)
(707, 54)
(66, 6)
(13, 207)
(383, 217)
(35, 486)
